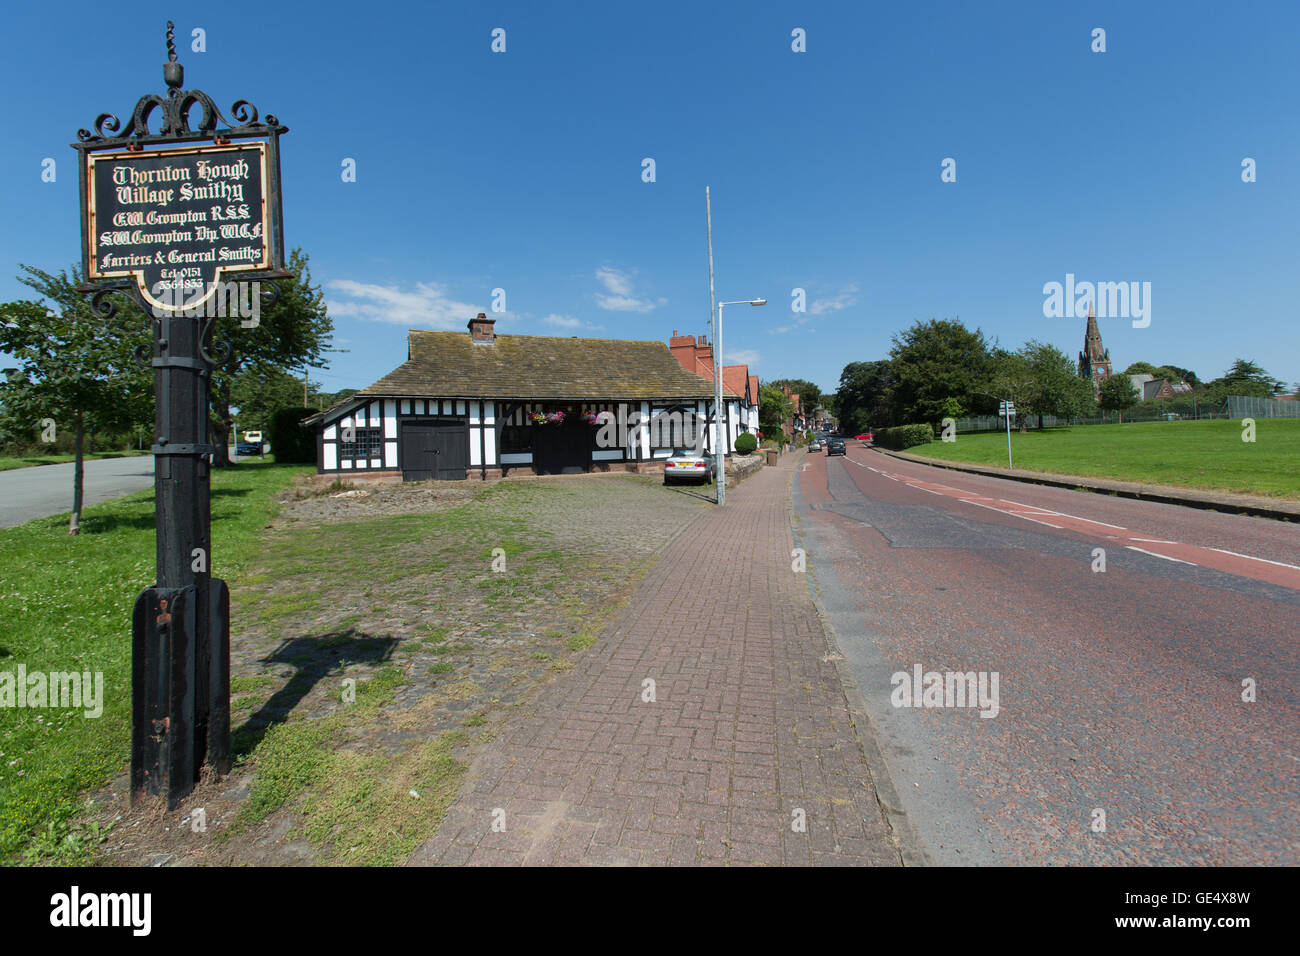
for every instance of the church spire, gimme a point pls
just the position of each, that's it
(1094, 360)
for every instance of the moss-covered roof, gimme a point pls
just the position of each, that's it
(539, 367)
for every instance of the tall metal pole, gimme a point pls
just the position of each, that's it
(719, 458)
(1009, 465)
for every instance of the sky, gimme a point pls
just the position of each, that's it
(524, 170)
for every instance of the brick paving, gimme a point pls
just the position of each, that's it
(748, 726)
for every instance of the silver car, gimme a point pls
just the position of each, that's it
(686, 464)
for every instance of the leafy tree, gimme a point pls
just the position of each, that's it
(261, 390)
(934, 361)
(810, 396)
(1012, 377)
(1140, 368)
(1246, 378)
(1182, 375)
(293, 332)
(73, 366)
(863, 399)
(1057, 388)
(1118, 394)
(774, 409)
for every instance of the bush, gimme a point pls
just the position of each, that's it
(904, 436)
(290, 441)
(746, 444)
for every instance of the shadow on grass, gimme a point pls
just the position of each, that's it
(314, 658)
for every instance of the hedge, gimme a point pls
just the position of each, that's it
(290, 442)
(904, 436)
(746, 444)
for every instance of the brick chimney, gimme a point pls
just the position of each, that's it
(683, 349)
(704, 358)
(480, 329)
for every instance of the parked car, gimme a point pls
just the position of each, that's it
(835, 446)
(1171, 416)
(866, 437)
(686, 464)
(814, 445)
(246, 449)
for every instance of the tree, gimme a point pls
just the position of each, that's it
(810, 396)
(863, 398)
(936, 360)
(1057, 389)
(1118, 394)
(261, 390)
(1012, 379)
(1140, 368)
(293, 332)
(1246, 378)
(774, 409)
(74, 368)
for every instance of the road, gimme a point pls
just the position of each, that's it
(1119, 690)
(43, 490)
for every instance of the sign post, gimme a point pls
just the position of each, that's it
(1008, 411)
(166, 216)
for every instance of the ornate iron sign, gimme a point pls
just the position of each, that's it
(177, 220)
(158, 221)
(165, 216)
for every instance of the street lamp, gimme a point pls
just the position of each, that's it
(720, 444)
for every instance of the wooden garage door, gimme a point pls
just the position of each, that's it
(434, 450)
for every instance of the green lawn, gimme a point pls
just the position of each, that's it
(27, 461)
(67, 606)
(1195, 454)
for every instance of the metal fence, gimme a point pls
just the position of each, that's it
(1183, 408)
(1244, 406)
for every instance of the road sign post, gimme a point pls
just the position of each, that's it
(1008, 411)
(165, 216)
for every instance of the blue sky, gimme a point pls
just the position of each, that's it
(523, 170)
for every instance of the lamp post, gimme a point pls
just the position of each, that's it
(720, 443)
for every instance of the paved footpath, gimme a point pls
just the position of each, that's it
(748, 725)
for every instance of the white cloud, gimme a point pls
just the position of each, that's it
(569, 322)
(845, 299)
(618, 295)
(427, 307)
(741, 357)
(620, 283)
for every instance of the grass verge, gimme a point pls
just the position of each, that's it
(67, 607)
(1209, 455)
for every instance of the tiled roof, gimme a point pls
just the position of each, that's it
(538, 367)
(734, 378)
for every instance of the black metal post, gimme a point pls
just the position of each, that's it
(180, 702)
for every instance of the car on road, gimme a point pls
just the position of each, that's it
(865, 438)
(815, 445)
(246, 449)
(686, 464)
(835, 446)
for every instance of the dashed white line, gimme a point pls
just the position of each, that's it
(1165, 556)
(1280, 564)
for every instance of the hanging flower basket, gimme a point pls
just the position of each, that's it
(559, 417)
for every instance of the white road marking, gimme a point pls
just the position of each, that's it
(1280, 564)
(1153, 541)
(1003, 511)
(1165, 556)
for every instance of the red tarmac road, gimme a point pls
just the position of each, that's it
(1123, 635)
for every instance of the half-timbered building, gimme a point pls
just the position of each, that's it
(482, 405)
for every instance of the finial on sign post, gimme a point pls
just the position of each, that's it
(173, 72)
